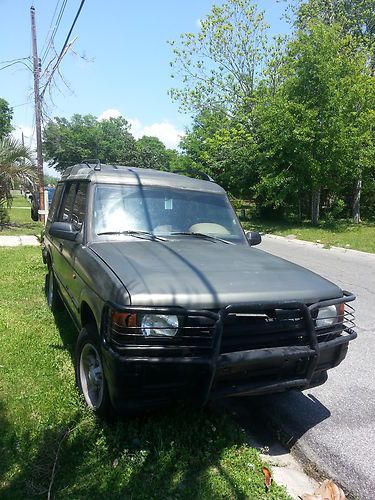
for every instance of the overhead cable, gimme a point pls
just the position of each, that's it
(62, 52)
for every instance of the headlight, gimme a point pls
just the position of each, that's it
(327, 316)
(159, 325)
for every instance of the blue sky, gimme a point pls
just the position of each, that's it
(129, 72)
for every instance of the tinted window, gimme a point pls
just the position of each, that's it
(65, 213)
(55, 202)
(79, 206)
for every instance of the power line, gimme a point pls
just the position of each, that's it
(62, 52)
(54, 31)
(49, 31)
(14, 60)
(19, 105)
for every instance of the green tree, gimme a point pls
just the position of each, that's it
(50, 179)
(6, 114)
(224, 148)
(219, 65)
(116, 143)
(16, 166)
(152, 153)
(309, 129)
(357, 19)
(67, 142)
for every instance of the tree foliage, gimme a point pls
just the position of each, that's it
(356, 17)
(317, 125)
(302, 134)
(16, 166)
(224, 148)
(6, 114)
(152, 153)
(67, 142)
(219, 65)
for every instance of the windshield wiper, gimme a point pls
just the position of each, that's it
(136, 234)
(201, 235)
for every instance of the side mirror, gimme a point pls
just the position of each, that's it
(63, 230)
(253, 237)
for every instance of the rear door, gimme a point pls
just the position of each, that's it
(62, 254)
(77, 250)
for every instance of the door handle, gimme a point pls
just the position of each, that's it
(61, 247)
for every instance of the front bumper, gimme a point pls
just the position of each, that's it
(144, 379)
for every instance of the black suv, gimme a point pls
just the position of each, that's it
(172, 301)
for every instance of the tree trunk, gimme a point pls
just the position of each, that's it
(315, 205)
(356, 210)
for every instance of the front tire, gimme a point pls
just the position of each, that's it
(90, 376)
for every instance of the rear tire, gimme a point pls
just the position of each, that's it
(54, 300)
(90, 376)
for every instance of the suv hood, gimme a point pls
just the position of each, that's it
(200, 273)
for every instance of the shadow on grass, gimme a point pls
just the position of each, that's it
(169, 451)
(67, 331)
(180, 452)
(7, 446)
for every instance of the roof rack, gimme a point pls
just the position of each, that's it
(202, 175)
(90, 161)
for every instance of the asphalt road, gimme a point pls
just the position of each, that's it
(333, 425)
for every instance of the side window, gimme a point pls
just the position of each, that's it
(65, 213)
(55, 202)
(79, 206)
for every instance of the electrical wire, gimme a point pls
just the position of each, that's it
(49, 32)
(54, 31)
(62, 52)
(15, 60)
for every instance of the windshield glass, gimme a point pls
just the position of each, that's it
(163, 211)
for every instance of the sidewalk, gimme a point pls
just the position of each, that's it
(15, 241)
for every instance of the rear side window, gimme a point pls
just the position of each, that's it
(55, 202)
(79, 206)
(65, 213)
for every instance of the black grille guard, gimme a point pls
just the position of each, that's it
(220, 360)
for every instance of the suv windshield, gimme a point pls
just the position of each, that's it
(164, 211)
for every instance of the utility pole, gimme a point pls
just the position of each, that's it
(38, 116)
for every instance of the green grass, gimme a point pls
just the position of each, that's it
(340, 234)
(20, 219)
(48, 440)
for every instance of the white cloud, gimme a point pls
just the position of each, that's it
(30, 142)
(109, 113)
(48, 170)
(28, 135)
(165, 131)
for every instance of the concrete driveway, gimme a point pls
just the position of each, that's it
(333, 426)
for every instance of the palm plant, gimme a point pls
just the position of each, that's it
(16, 166)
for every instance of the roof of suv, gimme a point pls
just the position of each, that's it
(137, 176)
